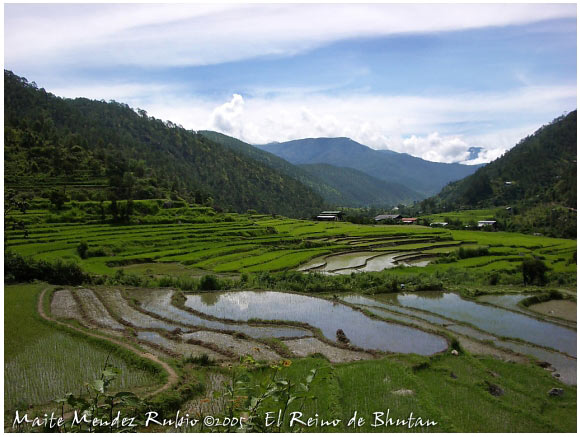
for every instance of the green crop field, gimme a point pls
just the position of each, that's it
(36, 355)
(135, 276)
(259, 243)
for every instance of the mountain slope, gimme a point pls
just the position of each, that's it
(540, 168)
(424, 177)
(55, 140)
(338, 186)
(360, 189)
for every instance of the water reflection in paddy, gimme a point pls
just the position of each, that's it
(159, 302)
(356, 299)
(346, 263)
(494, 320)
(509, 301)
(327, 316)
(564, 365)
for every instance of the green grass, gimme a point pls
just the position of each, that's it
(461, 404)
(43, 363)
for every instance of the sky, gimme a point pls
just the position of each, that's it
(447, 83)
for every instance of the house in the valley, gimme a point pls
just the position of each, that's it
(483, 223)
(330, 216)
(388, 218)
(438, 224)
(409, 220)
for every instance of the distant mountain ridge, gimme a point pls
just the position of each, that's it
(338, 186)
(424, 177)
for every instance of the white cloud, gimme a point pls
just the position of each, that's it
(434, 147)
(418, 125)
(408, 124)
(195, 34)
(227, 118)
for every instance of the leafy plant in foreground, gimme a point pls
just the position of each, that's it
(247, 399)
(100, 410)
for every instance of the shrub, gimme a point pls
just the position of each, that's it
(201, 360)
(209, 282)
(534, 271)
(20, 269)
(82, 249)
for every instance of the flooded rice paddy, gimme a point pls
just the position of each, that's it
(496, 321)
(508, 301)
(562, 364)
(353, 262)
(159, 303)
(491, 322)
(362, 331)
(357, 299)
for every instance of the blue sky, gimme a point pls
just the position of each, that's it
(429, 80)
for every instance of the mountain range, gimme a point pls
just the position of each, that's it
(93, 150)
(338, 186)
(423, 177)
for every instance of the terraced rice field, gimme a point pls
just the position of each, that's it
(329, 317)
(246, 243)
(495, 326)
(210, 327)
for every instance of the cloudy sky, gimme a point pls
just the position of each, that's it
(434, 81)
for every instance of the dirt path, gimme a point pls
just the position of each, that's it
(172, 376)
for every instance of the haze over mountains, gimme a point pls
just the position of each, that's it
(423, 177)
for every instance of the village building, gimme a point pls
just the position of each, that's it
(330, 216)
(482, 223)
(409, 221)
(386, 217)
(438, 224)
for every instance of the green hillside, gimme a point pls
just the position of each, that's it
(338, 186)
(359, 189)
(540, 168)
(93, 149)
(534, 182)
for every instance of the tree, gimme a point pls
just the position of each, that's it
(534, 271)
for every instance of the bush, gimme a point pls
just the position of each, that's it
(20, 269)
(82, 249)
(544, 297)
(201, 360)
(209, 282)
(534, 271)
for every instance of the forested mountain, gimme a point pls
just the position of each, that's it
(540, 168)
(109, 148)
(535, 182)
(338, 186)
(424, 177)
(359, 189)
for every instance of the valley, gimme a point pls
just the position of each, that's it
(201, 291)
